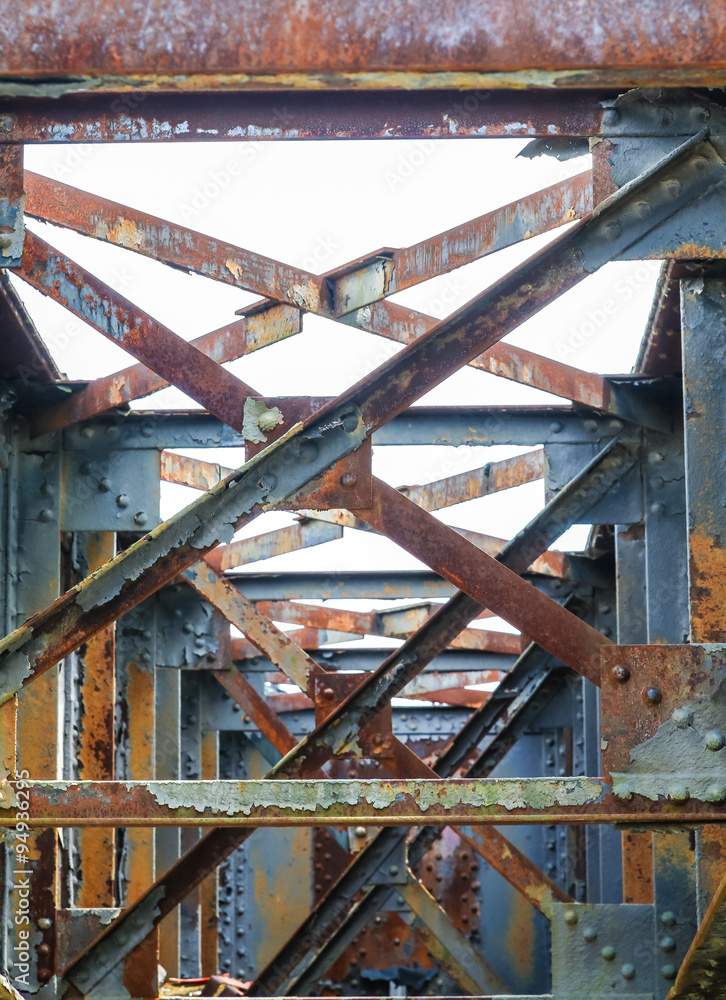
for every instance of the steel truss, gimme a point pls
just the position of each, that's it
(142, 746)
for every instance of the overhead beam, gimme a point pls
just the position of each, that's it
(254, 45)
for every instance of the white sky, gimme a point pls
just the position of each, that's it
(317, 205)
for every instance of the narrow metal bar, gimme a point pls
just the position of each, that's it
(703, 968)
(487, 581)
(491, 478)
(267, 721)
(270, 640)
(308, 802)
(448, 945)
(302, 535)
(97, 736)
(173, 358)
(255, 331)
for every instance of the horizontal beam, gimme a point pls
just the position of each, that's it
(338, 802)
(268, 44)
(264, 117)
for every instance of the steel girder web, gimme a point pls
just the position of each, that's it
(564, 510)
(343, 423)
(346, 293)
(373, 693)
(422, 365)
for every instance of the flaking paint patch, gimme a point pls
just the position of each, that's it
(305, 296)
(126, 234)
(234, 268)
(242, 798)
(258, 418)
(537, 793)
(15, 669)
(8, 796)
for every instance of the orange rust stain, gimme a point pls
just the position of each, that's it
(708, 589)
(126, 234)
(637, 867)
(8, 737)
(521, 934)
(140, 699)
(38, 726)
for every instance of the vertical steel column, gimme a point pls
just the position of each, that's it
(97, 732)
(630, 566)
(703, 322)
(209, 889)
(167, 757)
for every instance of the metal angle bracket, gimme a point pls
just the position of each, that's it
(606, 950)
(394, 869)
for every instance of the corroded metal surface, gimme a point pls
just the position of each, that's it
(253, 44)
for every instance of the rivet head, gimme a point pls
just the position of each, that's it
(672, 186)
(700, 163)
(668, 971)
(589, 934)
(621, 673)
(147, 430)
(556, 426)
(360, 831)
(608, 953)
(657, 508)
(141, 518)
(667, 944)
(679, 793)
(45, 923)
(46, 515)
(348, 479)
(652, 696)
(104, 485)
(610, 117)
(682, 718)
(393, 870)
(642, 209)
(571, 917)
(87, 432)
(611, 231)
(329, 694)
(122, 501)
(44, 975)
(668, 918)
(715, 740)
(627, 971)
(7, 123)
(715, 793)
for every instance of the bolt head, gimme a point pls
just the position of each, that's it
(715, 740)
(329, 694)
(589, 934)
(608, 953)
(348, 480)
(621, 673)
(667, 943)
(627, 971)
(668, 971)
(652, 696)
(668, 918)
(141, 518)
(360, 831)
(393, 870)
(122, 501)
(571, 917)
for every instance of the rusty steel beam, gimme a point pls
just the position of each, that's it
(257, 330)
(256, 45)
(394, 624)
(702, 972)
(335, 293)
(491, 478)
(261, 632)
(308, 638)
(258, 708)
(182, 364)
(304, 534)
(192, 472)
(447, 944)
(487, 581)
(337, 802)
(153, 116)
(12, 202)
